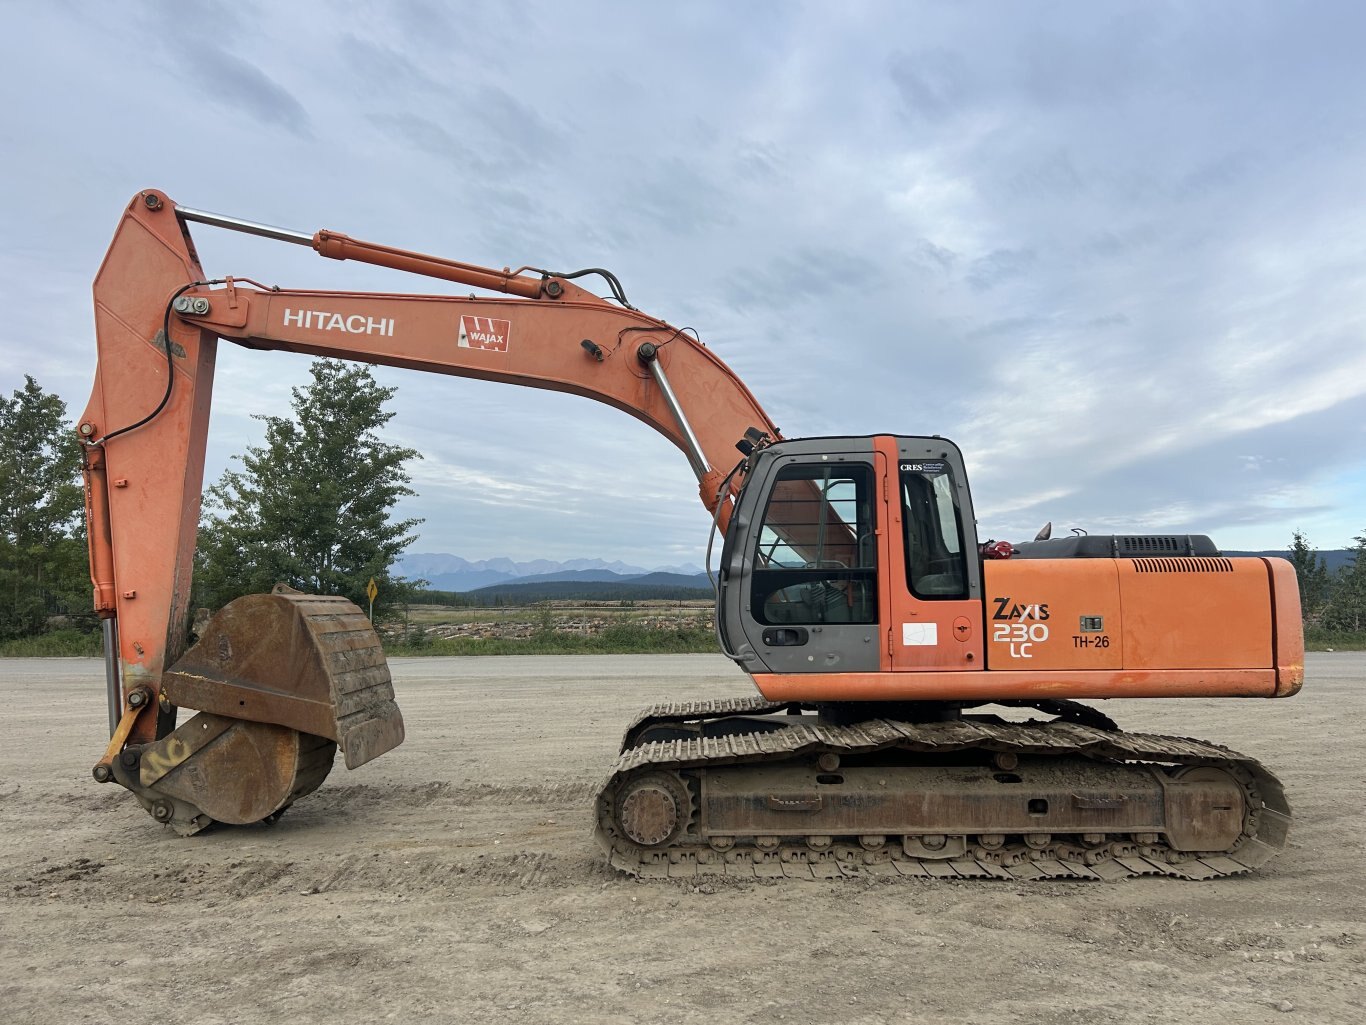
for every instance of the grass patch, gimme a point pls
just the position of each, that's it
(617, 639)
(57, 644)
(1317, 639)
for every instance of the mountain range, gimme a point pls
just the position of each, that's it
(445, 572)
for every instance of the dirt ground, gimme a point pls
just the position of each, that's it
(456, 880)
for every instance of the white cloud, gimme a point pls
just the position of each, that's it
(1114, 251)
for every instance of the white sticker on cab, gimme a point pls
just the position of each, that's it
(919, 634)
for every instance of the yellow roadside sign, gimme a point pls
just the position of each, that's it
(371, 590)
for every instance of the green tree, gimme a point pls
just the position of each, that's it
(312, 506)
(1312, 573)
(1346, 607)
(42, 537)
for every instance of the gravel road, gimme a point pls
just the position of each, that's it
(456, 880)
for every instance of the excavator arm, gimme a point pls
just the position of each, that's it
(158, 322)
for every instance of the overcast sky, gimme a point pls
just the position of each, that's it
(1116, 251)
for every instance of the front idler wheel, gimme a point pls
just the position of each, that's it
(653, 810)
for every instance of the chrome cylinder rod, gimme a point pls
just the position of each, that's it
(649, 355)
(111, 672)
(249, 227)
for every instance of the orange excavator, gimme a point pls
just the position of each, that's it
(894, 652)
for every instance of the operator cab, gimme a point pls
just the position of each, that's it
(852, 555)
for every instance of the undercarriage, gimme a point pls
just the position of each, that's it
(754, 788)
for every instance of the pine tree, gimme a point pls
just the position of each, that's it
(1312, 573)
(42, 537)
(311, 507)
(1347, 606)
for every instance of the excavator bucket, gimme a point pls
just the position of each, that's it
(307, 661)
(280, 680)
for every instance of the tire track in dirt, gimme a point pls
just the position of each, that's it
(411, 873)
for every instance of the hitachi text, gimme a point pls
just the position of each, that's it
(356, 324)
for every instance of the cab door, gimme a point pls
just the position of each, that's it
(932, 576)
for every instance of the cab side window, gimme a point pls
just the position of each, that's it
(936, 565)
(816, 555)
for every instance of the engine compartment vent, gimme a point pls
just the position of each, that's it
(1153, 544)
(1194, 565)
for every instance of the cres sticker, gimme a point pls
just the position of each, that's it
(484, 333)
